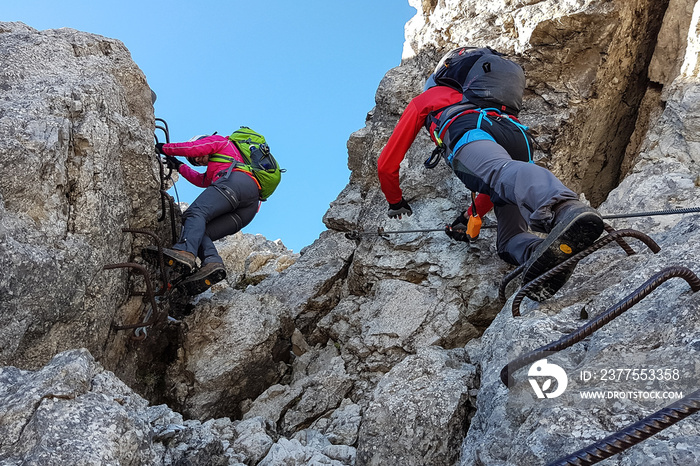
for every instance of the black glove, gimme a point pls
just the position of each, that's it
(458, 230)
(399, 209)
(172, 163)
(159, 148)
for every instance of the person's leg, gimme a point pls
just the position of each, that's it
(242, 192)
(211, 203)
(225, 225)
(542, 199)
(243, 196)
(486, 167)
(514, 242)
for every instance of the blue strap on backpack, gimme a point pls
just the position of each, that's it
(478, 134)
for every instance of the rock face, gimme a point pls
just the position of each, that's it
(252, 258)
(74, 412)
(365, 348)
(76, 124)
(426, 399)
(586, 65)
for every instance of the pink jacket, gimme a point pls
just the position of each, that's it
(209, 145)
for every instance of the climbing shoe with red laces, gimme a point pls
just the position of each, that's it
(203, 279)
(182, 262)
(576, 226)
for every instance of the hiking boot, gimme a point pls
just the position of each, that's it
(576, 226)
(203, 279)
(182, 262)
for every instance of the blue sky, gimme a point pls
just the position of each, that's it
(302, 73)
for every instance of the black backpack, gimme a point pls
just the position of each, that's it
(490, 84)
(485, 77)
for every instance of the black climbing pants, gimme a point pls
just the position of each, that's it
(222, 209)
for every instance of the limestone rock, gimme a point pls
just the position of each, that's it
(295, 453)
(230, 352)
(343, 425)
(250, 258)
(309, 288)
(370, 346)
(319, 386)
(418, 410)
(72, 411)
(76, 124)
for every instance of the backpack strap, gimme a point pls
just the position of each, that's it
(220, 158)
(479, 134)
(523, 129)
(440, 120)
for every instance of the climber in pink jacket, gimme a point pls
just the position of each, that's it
(197, 153)
(229, 203)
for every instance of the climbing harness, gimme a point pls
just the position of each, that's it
(438, 135)
(478, 133)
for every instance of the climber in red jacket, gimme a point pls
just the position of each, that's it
(489, 153)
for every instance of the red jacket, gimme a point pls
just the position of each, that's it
(410, 123)
(209, 145)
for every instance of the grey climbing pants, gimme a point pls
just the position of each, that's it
(523, 195)
(222, 209)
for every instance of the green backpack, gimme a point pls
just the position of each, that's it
(259, 160)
